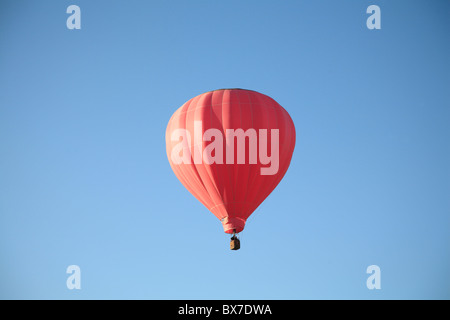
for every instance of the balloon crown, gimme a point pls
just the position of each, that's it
(231, 89)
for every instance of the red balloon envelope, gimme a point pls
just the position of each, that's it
(230, 148)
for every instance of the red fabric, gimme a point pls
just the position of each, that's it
(231, 191)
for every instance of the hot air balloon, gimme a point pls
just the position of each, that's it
(230, 148)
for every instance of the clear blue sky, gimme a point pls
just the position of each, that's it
(84, 177)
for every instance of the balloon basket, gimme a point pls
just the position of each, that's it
(235, 244)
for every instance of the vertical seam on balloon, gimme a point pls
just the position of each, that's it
(207, 172)
(230, 180)
(236, 177)
(186, 179)
(288, 148)
(192, 160)
(262, 185)
(249, 170)
(275, 183)
(215, 164)
(263, 106)
(196, 176)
